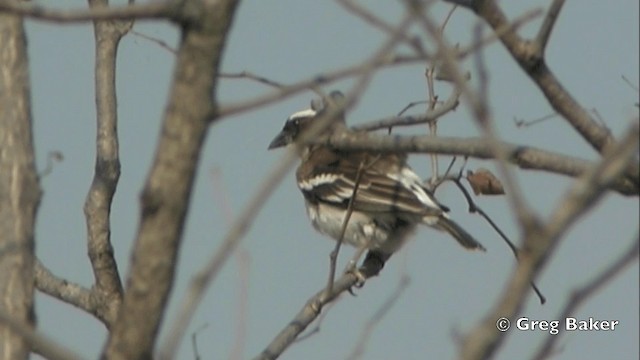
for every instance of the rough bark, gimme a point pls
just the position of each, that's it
(166, 195)
(19, 188)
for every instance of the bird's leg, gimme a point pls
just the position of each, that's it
(351, 265)
(371, 266)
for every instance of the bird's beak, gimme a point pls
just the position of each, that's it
(282, 139)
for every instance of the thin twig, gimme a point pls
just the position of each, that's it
(251, 76)
(243, 262)
(371, 324)
(474, 208)
(544, 33)
(580, 295)
(526, 123)
(529, 55)
(333, 258)
(38, 342)
(525, 157)
(377, 22)
(150, 10)
(203, 279)
(433, 123)
(447, 18)
(163, 44)
(631, 85)
(67, 291)
(409, 106)
(354, 70)
(307, 314)
(449, 105)
(483, 341)
(313, 307)
(52, 158)
(512, 26)
(194, 341)
(321, 79)
(320, 319)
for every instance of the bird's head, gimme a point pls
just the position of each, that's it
(301, 121)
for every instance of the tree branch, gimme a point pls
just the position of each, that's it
(529, 55)
(449, 105)
(544, 33)
(482, 341)
(580, 295)
(309, 312)
(38, 343)
(204, 277)
(321, 79)
(525, 157)
(20, 190)
(97, 206)
(166, 195)
(151, 10)
(71, 293)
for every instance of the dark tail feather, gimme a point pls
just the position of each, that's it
(461, 235)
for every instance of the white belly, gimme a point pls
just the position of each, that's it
(361, 231)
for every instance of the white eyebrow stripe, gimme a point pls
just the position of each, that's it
(315, 181)
(303, 114)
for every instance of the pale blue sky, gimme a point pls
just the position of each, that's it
(593, 44)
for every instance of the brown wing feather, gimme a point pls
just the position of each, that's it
(376, 192)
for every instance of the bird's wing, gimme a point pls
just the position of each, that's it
(385, 183)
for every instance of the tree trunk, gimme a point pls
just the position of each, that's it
(19, 188)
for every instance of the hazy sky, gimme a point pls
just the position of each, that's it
(593, 45)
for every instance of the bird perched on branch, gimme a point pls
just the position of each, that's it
(386, 198)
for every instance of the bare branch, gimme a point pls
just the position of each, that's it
(593, 183)
(333, 258)
(375, 21)
(69, 292)
(544, 33)
(474, 208)
(243, 262)
(149, 10)
(527, 123)
(97, 206)
(194, 341)
(20, 190)
(580, 295)
(450, 104)
(525, 157)
(38, 343)
(497, 33)
(371, 324)
(530, 58)
(163, 44)
(205, 277)
(166, 195)
(409, 106)
(309, 312)
(484, 340)
(464, 3)
(254, 77)
(315, 81)
(353, 70)
(479, 107)
(631, 85)
(52, 158)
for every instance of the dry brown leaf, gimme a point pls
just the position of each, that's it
(484, 182)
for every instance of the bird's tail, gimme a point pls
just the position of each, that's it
(461, 235)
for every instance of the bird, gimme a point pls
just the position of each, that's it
(389, 201)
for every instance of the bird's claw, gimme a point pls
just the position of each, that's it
(361, 278)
